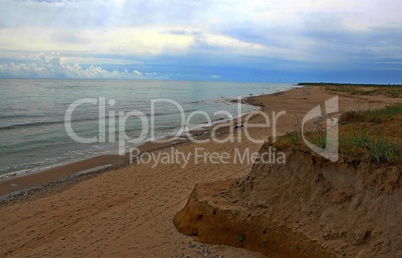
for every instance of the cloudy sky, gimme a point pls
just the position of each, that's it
(254, 40)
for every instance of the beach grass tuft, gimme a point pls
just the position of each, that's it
(241, 238)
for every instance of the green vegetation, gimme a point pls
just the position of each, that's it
(393, 91)
(371, 135)
(361, 89)
(372, 116)
(296, 247)
(347, 84)
(241, 238)
(242, 187)
(236, 212)
(377, 149)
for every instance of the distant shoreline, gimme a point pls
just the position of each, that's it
(346, 84)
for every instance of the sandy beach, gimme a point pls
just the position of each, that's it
(127, 211)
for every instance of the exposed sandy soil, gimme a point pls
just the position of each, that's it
(309, 207)
(129, 211)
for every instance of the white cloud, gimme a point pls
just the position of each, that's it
(56, 67)
(134, 28)
(116, 40)
(135, 41)
(240, 33)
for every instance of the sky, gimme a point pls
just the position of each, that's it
(256, 40)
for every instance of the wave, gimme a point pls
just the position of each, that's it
(17, 116)
(33, 124)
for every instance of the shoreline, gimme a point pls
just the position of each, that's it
(129, 211)
(34, 142)
(24, 184)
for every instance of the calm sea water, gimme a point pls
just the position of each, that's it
(32, 130)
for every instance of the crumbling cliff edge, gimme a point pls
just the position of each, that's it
(308, 207)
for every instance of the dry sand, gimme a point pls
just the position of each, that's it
(128, 211)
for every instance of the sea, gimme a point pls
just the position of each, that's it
(33, 120)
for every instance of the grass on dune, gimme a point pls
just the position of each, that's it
(392, 91)
(371, 135)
